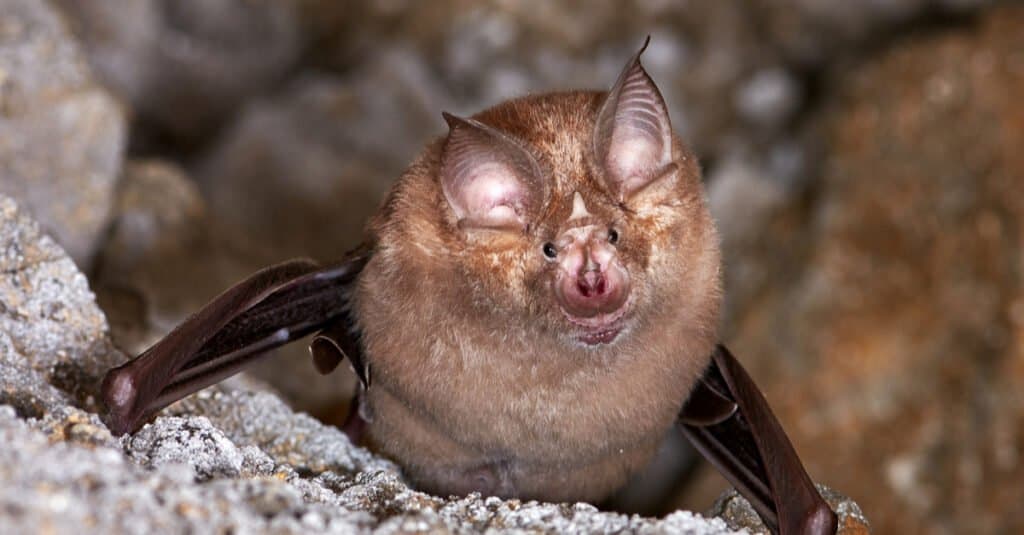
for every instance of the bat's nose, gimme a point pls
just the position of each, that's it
(592, 290)
(591, 284)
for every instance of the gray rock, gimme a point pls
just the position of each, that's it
(769, 98)
(739, 514)
(300, 173)
(69, 487)
(61, 135)
(183, 65)
(53, 343)
(226, 459)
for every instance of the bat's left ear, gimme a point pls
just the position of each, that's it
(489, 179)
(632, 135)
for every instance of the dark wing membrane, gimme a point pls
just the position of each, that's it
(728, 420)
(340, 341)
(270, 308)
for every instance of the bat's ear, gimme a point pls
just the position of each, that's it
(490, 180)
(632, 135)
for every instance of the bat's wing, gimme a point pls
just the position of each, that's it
(272, 307)
(729, 422)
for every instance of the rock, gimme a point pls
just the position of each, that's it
(185, 65)
(53, 344)
(888, 329)
(61, 135)
(733, 73)
(224, 460)
(811, 32)
(67, 487)
(739, 514)
(299, 174)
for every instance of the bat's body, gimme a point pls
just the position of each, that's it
(480, 381)
(537, 299)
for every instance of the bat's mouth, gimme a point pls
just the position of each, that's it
(600, 329)
(593, 338)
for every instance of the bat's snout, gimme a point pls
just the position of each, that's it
(591, 285)
(593, 293)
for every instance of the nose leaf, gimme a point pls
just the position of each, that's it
(591, 283)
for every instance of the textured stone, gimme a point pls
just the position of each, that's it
(53, 341)
(61, 135)
(739, 514)
(68, 487)
(888, 330)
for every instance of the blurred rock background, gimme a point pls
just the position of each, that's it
(862, 159)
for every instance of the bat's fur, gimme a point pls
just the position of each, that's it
(477, 383)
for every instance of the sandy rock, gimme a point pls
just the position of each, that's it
(739, 514)
(66, 487)
(61, 135)
(811, 32)
(53, 343)
(300, 173)
(889, 339)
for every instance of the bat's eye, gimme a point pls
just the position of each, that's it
(613, 236)
(550, 251)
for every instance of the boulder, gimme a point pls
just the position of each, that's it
(61, 135)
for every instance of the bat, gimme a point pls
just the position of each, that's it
(534, 306)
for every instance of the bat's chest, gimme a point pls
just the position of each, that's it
(517, 429)
(528, 409)
(517, 415)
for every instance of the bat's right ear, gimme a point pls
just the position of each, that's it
(490, 180)
(632, 139)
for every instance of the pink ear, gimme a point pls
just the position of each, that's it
(489, 179)
(633, 136)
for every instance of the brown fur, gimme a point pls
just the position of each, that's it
(476, 381)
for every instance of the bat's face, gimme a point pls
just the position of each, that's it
(577, 213)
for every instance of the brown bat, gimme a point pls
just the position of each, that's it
(535, 306)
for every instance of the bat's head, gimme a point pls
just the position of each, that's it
(579, 212)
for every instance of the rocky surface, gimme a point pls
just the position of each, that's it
(61, 134)
(738, 513)
(52, 335)
(892, 334)
(860, 159)
(227, 459)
